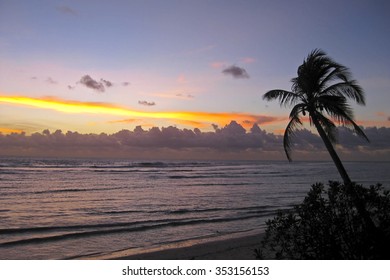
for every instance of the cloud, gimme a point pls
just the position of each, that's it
(124, 121)
(194, 123)
(181, 79)
(146, 103)
(7, 130)
(106, 83)
(49, 80)
(236, 72)
(377, 137)
(230, 137)
(66, 10)
(87, 81)
(218, 64)
(125, 84)
(230, 142)
(185, 96)
(223, 64)
(174, 95)
(77, 107)
(233, 128)
(199, 50)
(248, 60)
(381, 114)
(369, 123)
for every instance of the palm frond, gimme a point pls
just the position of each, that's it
(299, 108)
(312, 72)
(350, 123)
(348, 89)
(343, 73)
(285, 97)
(338, 108)
(328, 126)
(290, 131)
(322, 88)
(334, 71)
(315, 54)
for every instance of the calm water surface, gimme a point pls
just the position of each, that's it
(58, 209)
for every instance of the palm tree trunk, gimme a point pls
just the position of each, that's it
(360, 205)
(332, 152)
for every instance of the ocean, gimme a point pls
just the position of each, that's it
(93, 208)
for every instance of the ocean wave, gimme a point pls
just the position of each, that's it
(72, 190)
(109, 229)
(181, 211)
(147, 164)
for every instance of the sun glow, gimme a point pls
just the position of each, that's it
(77, 107)
(6, 130)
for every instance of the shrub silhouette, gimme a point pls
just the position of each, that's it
(327, 225)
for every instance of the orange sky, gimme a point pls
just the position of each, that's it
(191, 119)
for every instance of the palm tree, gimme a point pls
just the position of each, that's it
(321, 90)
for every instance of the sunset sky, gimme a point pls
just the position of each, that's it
(103, 66)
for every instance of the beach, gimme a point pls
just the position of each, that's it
(237, 248)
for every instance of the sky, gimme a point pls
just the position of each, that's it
(100, 67)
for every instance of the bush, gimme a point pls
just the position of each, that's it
(328, 225)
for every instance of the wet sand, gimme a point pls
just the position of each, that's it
(238, 248)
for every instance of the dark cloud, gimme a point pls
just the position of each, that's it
(185, 95)
(146, 103)
(378, 138)
(266, 119)
(233, 128)
(125, 84)
(106, 83)
(230, 141)
(49, 80)
(70, 87)
(87, 81)
(66, 10)
(236, 72)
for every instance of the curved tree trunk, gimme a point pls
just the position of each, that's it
(332, 152)
(360, 204)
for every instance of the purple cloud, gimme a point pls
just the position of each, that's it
(236, 72)
(66, 10)
(106, 83)
(49, 80)
(91, 83)
(190, 96)
(146, 103)
(229, 141)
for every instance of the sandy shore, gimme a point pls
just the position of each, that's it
(238, 248)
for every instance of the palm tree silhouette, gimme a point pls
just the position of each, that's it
(321, 89)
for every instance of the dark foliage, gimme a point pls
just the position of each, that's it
(327, 225)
